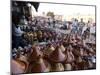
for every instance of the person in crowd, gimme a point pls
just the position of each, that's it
(93, 31)
(74, 26)
(23, 20)
(16, 32)
(54, 22)
(65, 25)
(81, 25)
(85, 31)
(89, 30)
(49, 21)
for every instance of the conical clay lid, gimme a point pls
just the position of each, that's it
(35, 54)
(17, 67)
(41, 65)
(57, 55)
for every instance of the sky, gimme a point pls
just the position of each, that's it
(67, 10)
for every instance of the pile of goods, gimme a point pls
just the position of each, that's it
(39, 36)
(70, 53)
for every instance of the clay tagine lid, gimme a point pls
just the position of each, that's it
(40, 65)
(67, 67)
(57, 55)
(18, 67)
(78, 38)
(70, 48)
(35, 54)
(62, 47)
(57, 67)
(69, 56)
(49, 49)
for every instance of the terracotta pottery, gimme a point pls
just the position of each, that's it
(69, 59)
(57, 55)
(62, 47)
(82, 65)
(69, 56)
(57, 67)
(40, 65)
(71, 41)
(34, 35)
(90, 64)
(70, 48)
(67, 67)
(35, 54)
(78, 38)
(23, 58)
(85, 53)
(18, 67)
(49, 50)
(91, 51)
(79, 59)
(81, 52)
